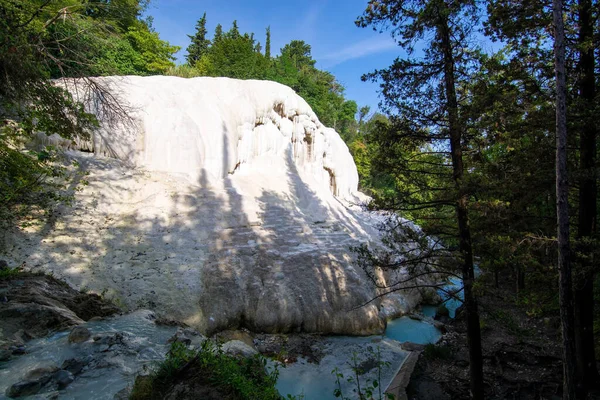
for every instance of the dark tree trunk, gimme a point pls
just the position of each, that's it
(466, 247)
(562, 207)
(587, 374)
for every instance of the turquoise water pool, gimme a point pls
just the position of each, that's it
(406, 329)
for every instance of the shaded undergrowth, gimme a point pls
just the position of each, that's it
(207, 373)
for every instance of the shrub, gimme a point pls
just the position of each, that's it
(236, 378)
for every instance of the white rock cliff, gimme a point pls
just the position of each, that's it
(222, 203)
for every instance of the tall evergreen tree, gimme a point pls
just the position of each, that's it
(268, 44)
(562, 207)
(234, 32)
(200, 43)
(587, 372)
(525, 25)
(218, 33)
(425, 92)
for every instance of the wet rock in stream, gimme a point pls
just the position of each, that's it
(37, 305)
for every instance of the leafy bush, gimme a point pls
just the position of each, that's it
(184, 71)
(236, 378)
(32, 181)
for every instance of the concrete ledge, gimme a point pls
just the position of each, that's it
(398, 386)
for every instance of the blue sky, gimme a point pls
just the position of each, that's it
(327, 25)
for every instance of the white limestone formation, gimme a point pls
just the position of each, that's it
(210, 127)
(221, 203)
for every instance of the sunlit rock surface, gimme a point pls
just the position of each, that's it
(221, 203)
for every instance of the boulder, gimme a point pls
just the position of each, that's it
(41, 304)
(188, 337)
(24, 388)
(74, 365)
(41, 374)
(79, 334)
(109, 338)
(239, 348)
(63, 378)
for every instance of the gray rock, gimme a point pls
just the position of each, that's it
(74, 365)
(147, 354)
(42, 374)
(63, 378)
(24, 388)
(108, 338)
(239, 348)
(79, 334)
(3, 265)
(188, 337)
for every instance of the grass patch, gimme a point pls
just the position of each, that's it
(9, 273)
(231, 377)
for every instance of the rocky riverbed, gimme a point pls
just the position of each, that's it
(53, 348)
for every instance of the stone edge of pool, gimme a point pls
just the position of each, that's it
(399, 383)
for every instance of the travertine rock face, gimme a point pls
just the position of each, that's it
(207, 128)
(223, 204)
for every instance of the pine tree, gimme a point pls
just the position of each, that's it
(268, 44)
(587, 224)
(218, 33)
(424, 93)
(526, 30)
(234, 32)
(562, 207)
(200, 44)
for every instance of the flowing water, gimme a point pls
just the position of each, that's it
(145, 343)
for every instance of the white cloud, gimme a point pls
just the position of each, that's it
(360, 49)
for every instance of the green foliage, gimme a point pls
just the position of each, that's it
(9, 273)
(268, 44)
(234, 56)
(32, 181)
(156, 55)
(238, 55)
(40, 41)
(235, 378)
(184, 71)
(200, 44)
